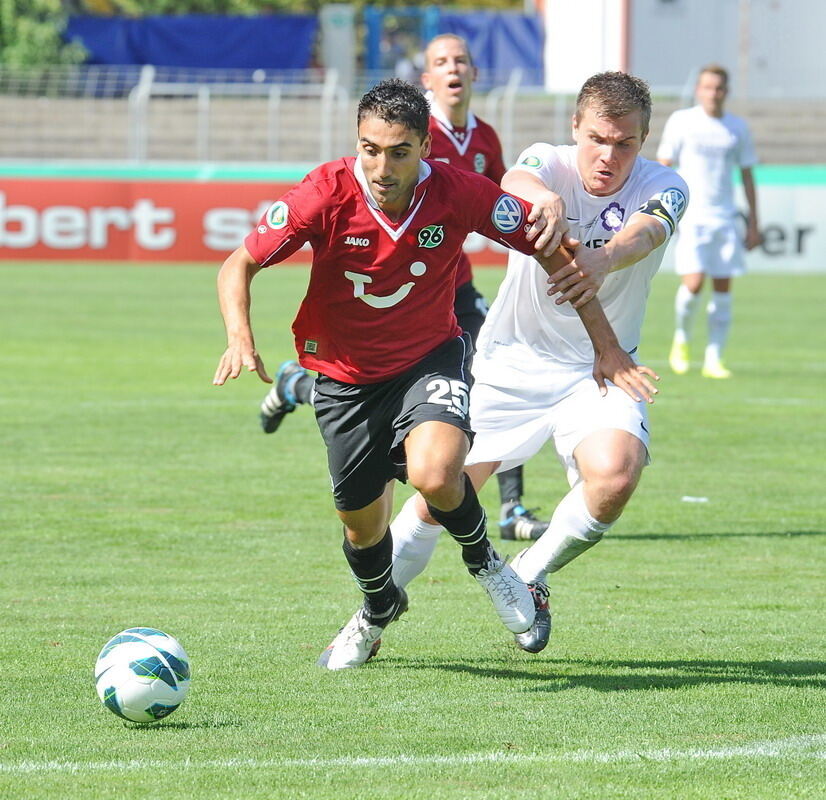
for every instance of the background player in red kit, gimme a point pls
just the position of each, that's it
(463, 140)
(377, 324)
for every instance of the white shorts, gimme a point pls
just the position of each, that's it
(515, 418)
(715, 249)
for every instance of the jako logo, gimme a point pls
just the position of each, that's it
(358, 242)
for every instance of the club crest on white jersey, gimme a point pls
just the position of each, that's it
(612, 217)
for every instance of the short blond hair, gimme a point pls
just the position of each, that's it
(441, 37)
(613, 95)
(714, 69)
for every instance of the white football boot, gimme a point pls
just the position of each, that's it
(510, 596)
(535, 639)
(358, 641)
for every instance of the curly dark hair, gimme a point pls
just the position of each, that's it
(615, 94)
(397, 102)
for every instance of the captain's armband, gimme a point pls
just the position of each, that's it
(667, 206)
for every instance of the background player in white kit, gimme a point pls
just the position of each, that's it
(706, 143)
(533, 366)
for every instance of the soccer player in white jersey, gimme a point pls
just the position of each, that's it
(706, 144)
(534, 382)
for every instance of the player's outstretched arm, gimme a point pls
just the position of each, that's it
(234, 280)
(579, 281)
(611, 362)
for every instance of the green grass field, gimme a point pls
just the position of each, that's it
(688, 658)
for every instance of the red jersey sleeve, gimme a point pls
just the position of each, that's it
(498, 215)
(296, 218)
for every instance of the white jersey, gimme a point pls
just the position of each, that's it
(524, 324)
(705, 150)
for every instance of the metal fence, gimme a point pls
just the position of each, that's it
(154, 113)
(147, 113)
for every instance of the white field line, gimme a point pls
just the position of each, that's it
(808, 747)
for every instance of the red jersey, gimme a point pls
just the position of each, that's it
(380, 295)
(475, 148)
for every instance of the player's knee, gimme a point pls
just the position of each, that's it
(610, 488)
(619, 487)
(437, 480)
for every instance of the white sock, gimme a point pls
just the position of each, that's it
(571, 532)
(685, 308)
(719, 322)
(413, 543)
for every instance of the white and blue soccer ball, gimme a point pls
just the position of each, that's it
(142, 674)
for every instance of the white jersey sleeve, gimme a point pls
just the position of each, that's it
(669, 147)
(545, 162)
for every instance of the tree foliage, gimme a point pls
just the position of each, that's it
(30, 34)
(30, 30)
(143, 8)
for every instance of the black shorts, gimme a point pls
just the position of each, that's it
(364, 426)
(470, 309)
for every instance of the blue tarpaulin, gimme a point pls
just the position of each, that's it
(500, 42)
(198, 40)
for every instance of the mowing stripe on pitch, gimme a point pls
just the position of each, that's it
(808, 747)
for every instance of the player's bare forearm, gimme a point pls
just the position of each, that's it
(580, 280)
(753, 237)
(751, 194)
(635, 242)
(524, 184)
(599, 330)
(234, 280)
(611, 362)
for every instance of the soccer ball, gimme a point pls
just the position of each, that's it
(142, 674)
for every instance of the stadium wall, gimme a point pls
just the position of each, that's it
(198, 214)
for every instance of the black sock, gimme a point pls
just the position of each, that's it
(372, 567)
(510, 485)
(467, 524)
(303, 388)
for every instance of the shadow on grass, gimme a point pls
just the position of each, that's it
(744, 535)
(182, 725)
(558, 675)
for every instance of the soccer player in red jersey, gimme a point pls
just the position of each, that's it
(460, 138)
(377, 324)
